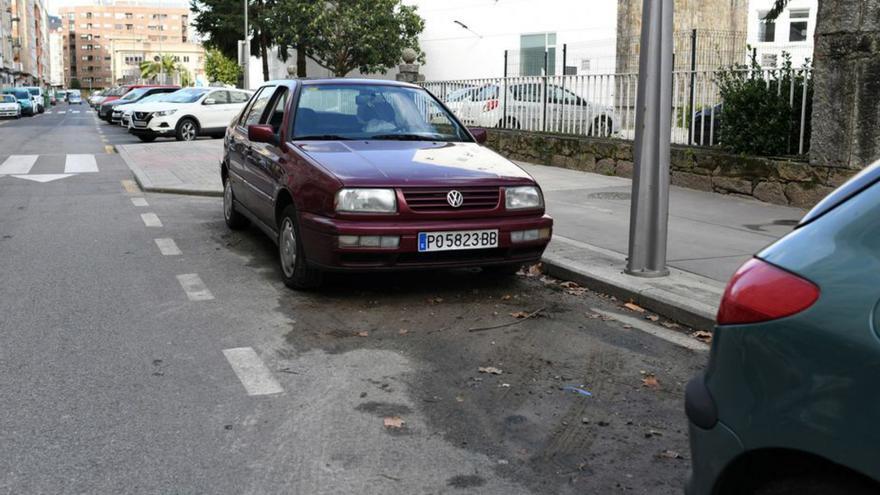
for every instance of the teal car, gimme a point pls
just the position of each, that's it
(790, 400)
(24, 98)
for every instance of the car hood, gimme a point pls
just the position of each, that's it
(9, 104)
(157, 106)
(393, 163)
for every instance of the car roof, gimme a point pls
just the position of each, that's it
(319, 81)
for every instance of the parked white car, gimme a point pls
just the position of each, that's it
(9, 106)
(524, 108)
(188, 114)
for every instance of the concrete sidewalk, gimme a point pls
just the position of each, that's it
(176, 167)
(710, 235)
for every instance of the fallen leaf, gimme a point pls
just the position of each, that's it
(363, 334)
(533, 270)
(505, 297)
(634, 307)
(593, 316)
(394, 422)
(627, 327)
(459, 398)
(403, 331)
(670, 454)
(489, 369)
(651, 381)
(569, 285)
(652, 317)
(520, 314)
(702, 335)
(578, 291)
(669, 324)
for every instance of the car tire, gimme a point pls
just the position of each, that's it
(502, 271)
(816, 485)
(295, 270)
(234, 219)
(187, 129)
(147, 139)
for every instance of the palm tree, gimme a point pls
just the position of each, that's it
(151, 69)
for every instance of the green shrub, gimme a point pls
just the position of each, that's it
(757, 116)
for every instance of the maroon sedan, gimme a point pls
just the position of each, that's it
(357, 175)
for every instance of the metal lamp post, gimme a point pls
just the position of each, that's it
(246, 51)
(649, 213)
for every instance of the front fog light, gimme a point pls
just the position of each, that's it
(348, 240)
(389, 241)
(529, 235)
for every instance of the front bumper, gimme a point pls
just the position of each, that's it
(155, 126)
(713, 445)
(8, 113)
(320, 240)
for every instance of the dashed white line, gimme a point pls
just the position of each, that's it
(168, 247)
(195, 289)
(252, 372)
(151, 220)
(80, 164)
(139, 202)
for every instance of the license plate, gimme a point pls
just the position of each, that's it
(462, 239)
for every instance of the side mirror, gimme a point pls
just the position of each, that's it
(261, 134)
(209, 101)
(480, 134)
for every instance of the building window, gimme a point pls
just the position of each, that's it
(531, 54)
(766, 28)
(129, 27)
(117, 27)
(129, 15)
(108, 14)
(797, 30)
(185, 58)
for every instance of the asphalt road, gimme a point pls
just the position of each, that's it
(144, 348)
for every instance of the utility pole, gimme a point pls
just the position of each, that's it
(649, 212)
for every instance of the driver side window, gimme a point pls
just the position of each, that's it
(219, 97)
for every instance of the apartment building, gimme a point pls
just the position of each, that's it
(24, 39)
(791, 33)
(129, 53)
(92, 30)
(56, 52)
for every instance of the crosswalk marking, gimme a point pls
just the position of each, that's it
(80, 164)
(18, 164)
(62, 112)
(74, 111)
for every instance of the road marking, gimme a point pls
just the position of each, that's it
(80, 164)
(130, 186)
(151, 220)
(195, 289)
(109, 149)
(18, 164)
(252, 372)
(74, 111)
(168, 247)
(43, 177)
(671, 336)
(139, 202)
(62, 112)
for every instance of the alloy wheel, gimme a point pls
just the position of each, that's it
(287, 247)
(227, 199)
(188, 131)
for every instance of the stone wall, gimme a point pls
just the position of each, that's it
(846, 95)
(781, 181)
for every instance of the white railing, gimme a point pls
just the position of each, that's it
(603, 105)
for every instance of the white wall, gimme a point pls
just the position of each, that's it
(798, 50)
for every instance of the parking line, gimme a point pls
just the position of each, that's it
(151, 220)
(139, 202)
(252, 372)
(82, 163)
(168, 247)
(670, 336)
(195, 289)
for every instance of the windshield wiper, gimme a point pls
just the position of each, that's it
(321, 137)
(405, 137)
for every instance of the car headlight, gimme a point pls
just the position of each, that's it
(521, 197)
(165, 113)
(366, 201)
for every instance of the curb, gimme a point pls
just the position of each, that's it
(123, 153)
(605, 275)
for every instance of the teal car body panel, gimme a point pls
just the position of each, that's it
(23, 97)
(808, 382)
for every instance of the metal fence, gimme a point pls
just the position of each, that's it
(603, 105)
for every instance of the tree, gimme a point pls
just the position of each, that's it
(167, 64)
(294, 28)
(221, 23)
(344, 35)
(221, 68)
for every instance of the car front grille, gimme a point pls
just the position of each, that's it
(143, 116)
(429, 199)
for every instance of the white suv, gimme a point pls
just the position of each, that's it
(188, 113)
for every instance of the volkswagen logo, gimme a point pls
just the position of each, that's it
(454, 198)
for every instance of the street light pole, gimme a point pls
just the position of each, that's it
(649, 213)
(246, 55)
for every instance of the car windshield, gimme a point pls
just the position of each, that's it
(21, 94)
(373, 111)
(186, 95)
(134, 94)
(7, 99)
(34, 91)
(156, 97)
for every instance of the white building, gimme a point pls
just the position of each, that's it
(56, 57)
(468, 38)
(792, 32)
